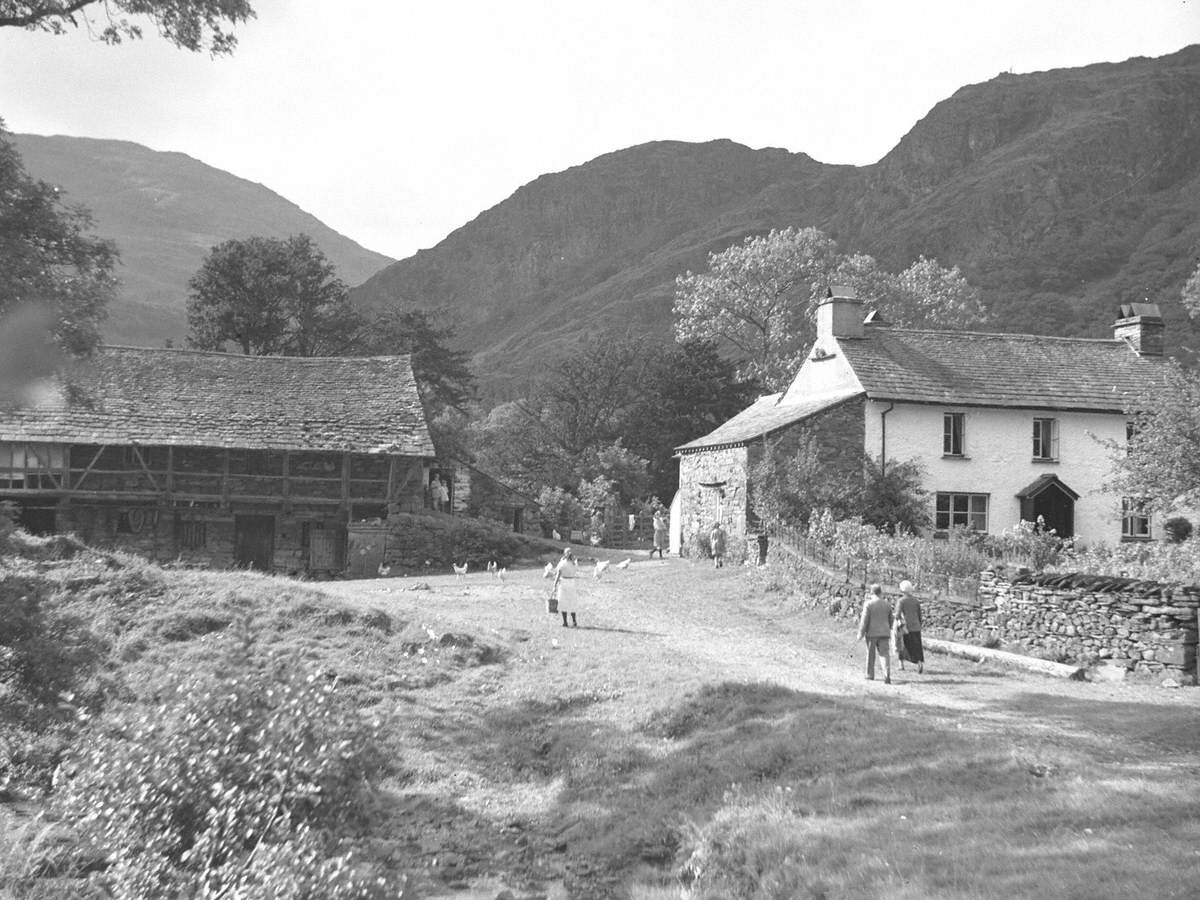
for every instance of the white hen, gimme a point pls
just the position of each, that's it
(548, 572)
(624, 564)
(460, 571)
(601, 565)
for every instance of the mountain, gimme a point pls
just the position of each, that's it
(165, 211)
(1061, 194)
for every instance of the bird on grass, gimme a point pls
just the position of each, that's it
(501, 573)
(493, 567)
(548, 572)
(460, 571)
(623, 564)
(595, 539)
(601, 565)
(384, 570)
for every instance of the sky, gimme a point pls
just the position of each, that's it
(395, 122)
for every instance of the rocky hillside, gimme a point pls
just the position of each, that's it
(1060, 193)
(164, 211)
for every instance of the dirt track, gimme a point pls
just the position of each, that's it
(658, 630)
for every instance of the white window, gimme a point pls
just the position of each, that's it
(1135, 521)
(1045, 439)
(961, 510)
(952, 434)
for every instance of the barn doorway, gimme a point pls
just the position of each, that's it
(37, 519)
(254, 542)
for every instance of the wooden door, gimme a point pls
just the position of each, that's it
(323, 547)
(1057, 511)
(254, 542)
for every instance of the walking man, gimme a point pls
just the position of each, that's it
(874, 626)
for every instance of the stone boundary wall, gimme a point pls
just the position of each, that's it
(1151, 632)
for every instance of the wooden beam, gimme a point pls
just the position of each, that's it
(225, 478)
(346, 479)
(170, 471)
(90, 466)
(287, 486)
(986, 654)
(137, 454)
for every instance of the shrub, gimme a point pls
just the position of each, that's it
(754, 849)
(1178, 529)
(247, 781)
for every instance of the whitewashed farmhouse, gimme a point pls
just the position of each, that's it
(1006, 426)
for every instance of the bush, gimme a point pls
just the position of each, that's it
(752, 849)
(1178, 529)
(250, 781)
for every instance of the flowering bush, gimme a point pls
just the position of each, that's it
(1172, 563)
(243, 782)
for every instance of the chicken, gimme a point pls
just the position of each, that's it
(548, 572)
(595, 539)
(623, 564)
(554, 534)
(501, 573)
(384, 570)
(493, 567)
(460, 571)
(601, 565)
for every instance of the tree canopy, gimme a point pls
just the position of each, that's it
(270, 296)
(49, 260)
(1160, 463)
(758, 299)
(190, 24)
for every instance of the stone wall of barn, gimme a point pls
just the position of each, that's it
(1147, 629)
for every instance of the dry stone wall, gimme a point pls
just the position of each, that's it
(1146, 628)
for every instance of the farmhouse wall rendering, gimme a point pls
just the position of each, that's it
(215, 458)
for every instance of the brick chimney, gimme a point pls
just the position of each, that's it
(1141, 326)
(840, 314)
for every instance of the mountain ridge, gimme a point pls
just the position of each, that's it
(165, 210)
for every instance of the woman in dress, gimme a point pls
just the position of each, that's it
(566, 580)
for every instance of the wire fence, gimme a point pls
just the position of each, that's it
(963, 589)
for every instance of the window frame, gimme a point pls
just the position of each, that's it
(1049, 443)
(970, 514)
(1132, 512)
(954, 431)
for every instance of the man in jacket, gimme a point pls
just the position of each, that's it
(875, 627)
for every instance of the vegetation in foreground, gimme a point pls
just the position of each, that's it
(235, 779)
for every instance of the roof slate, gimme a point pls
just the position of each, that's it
(766, 415)
(194, 398)
(1006, 370)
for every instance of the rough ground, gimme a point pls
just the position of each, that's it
(653, 633)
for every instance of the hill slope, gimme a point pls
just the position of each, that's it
(164, 211)
(1060, 193)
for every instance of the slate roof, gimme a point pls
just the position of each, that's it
(199, 399)
(1006, 370)
(766, 415)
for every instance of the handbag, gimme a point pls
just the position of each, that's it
(552, 604)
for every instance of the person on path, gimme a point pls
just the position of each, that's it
(908, 615)
(716, 542)
(660, 535)
(875, 627)
(566, 578)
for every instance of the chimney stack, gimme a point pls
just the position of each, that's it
(840, 314)
(1141, 326)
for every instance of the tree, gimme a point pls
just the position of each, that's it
(1191, 294)
(759, 298)
(1160, 463)
(270, 296)
(50, 264)
(189, 24)
(444, 374)
(688, 390)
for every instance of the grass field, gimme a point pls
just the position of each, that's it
(698, 734)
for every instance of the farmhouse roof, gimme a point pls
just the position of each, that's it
(765, 416)
(128, 395)
(1005, 370)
